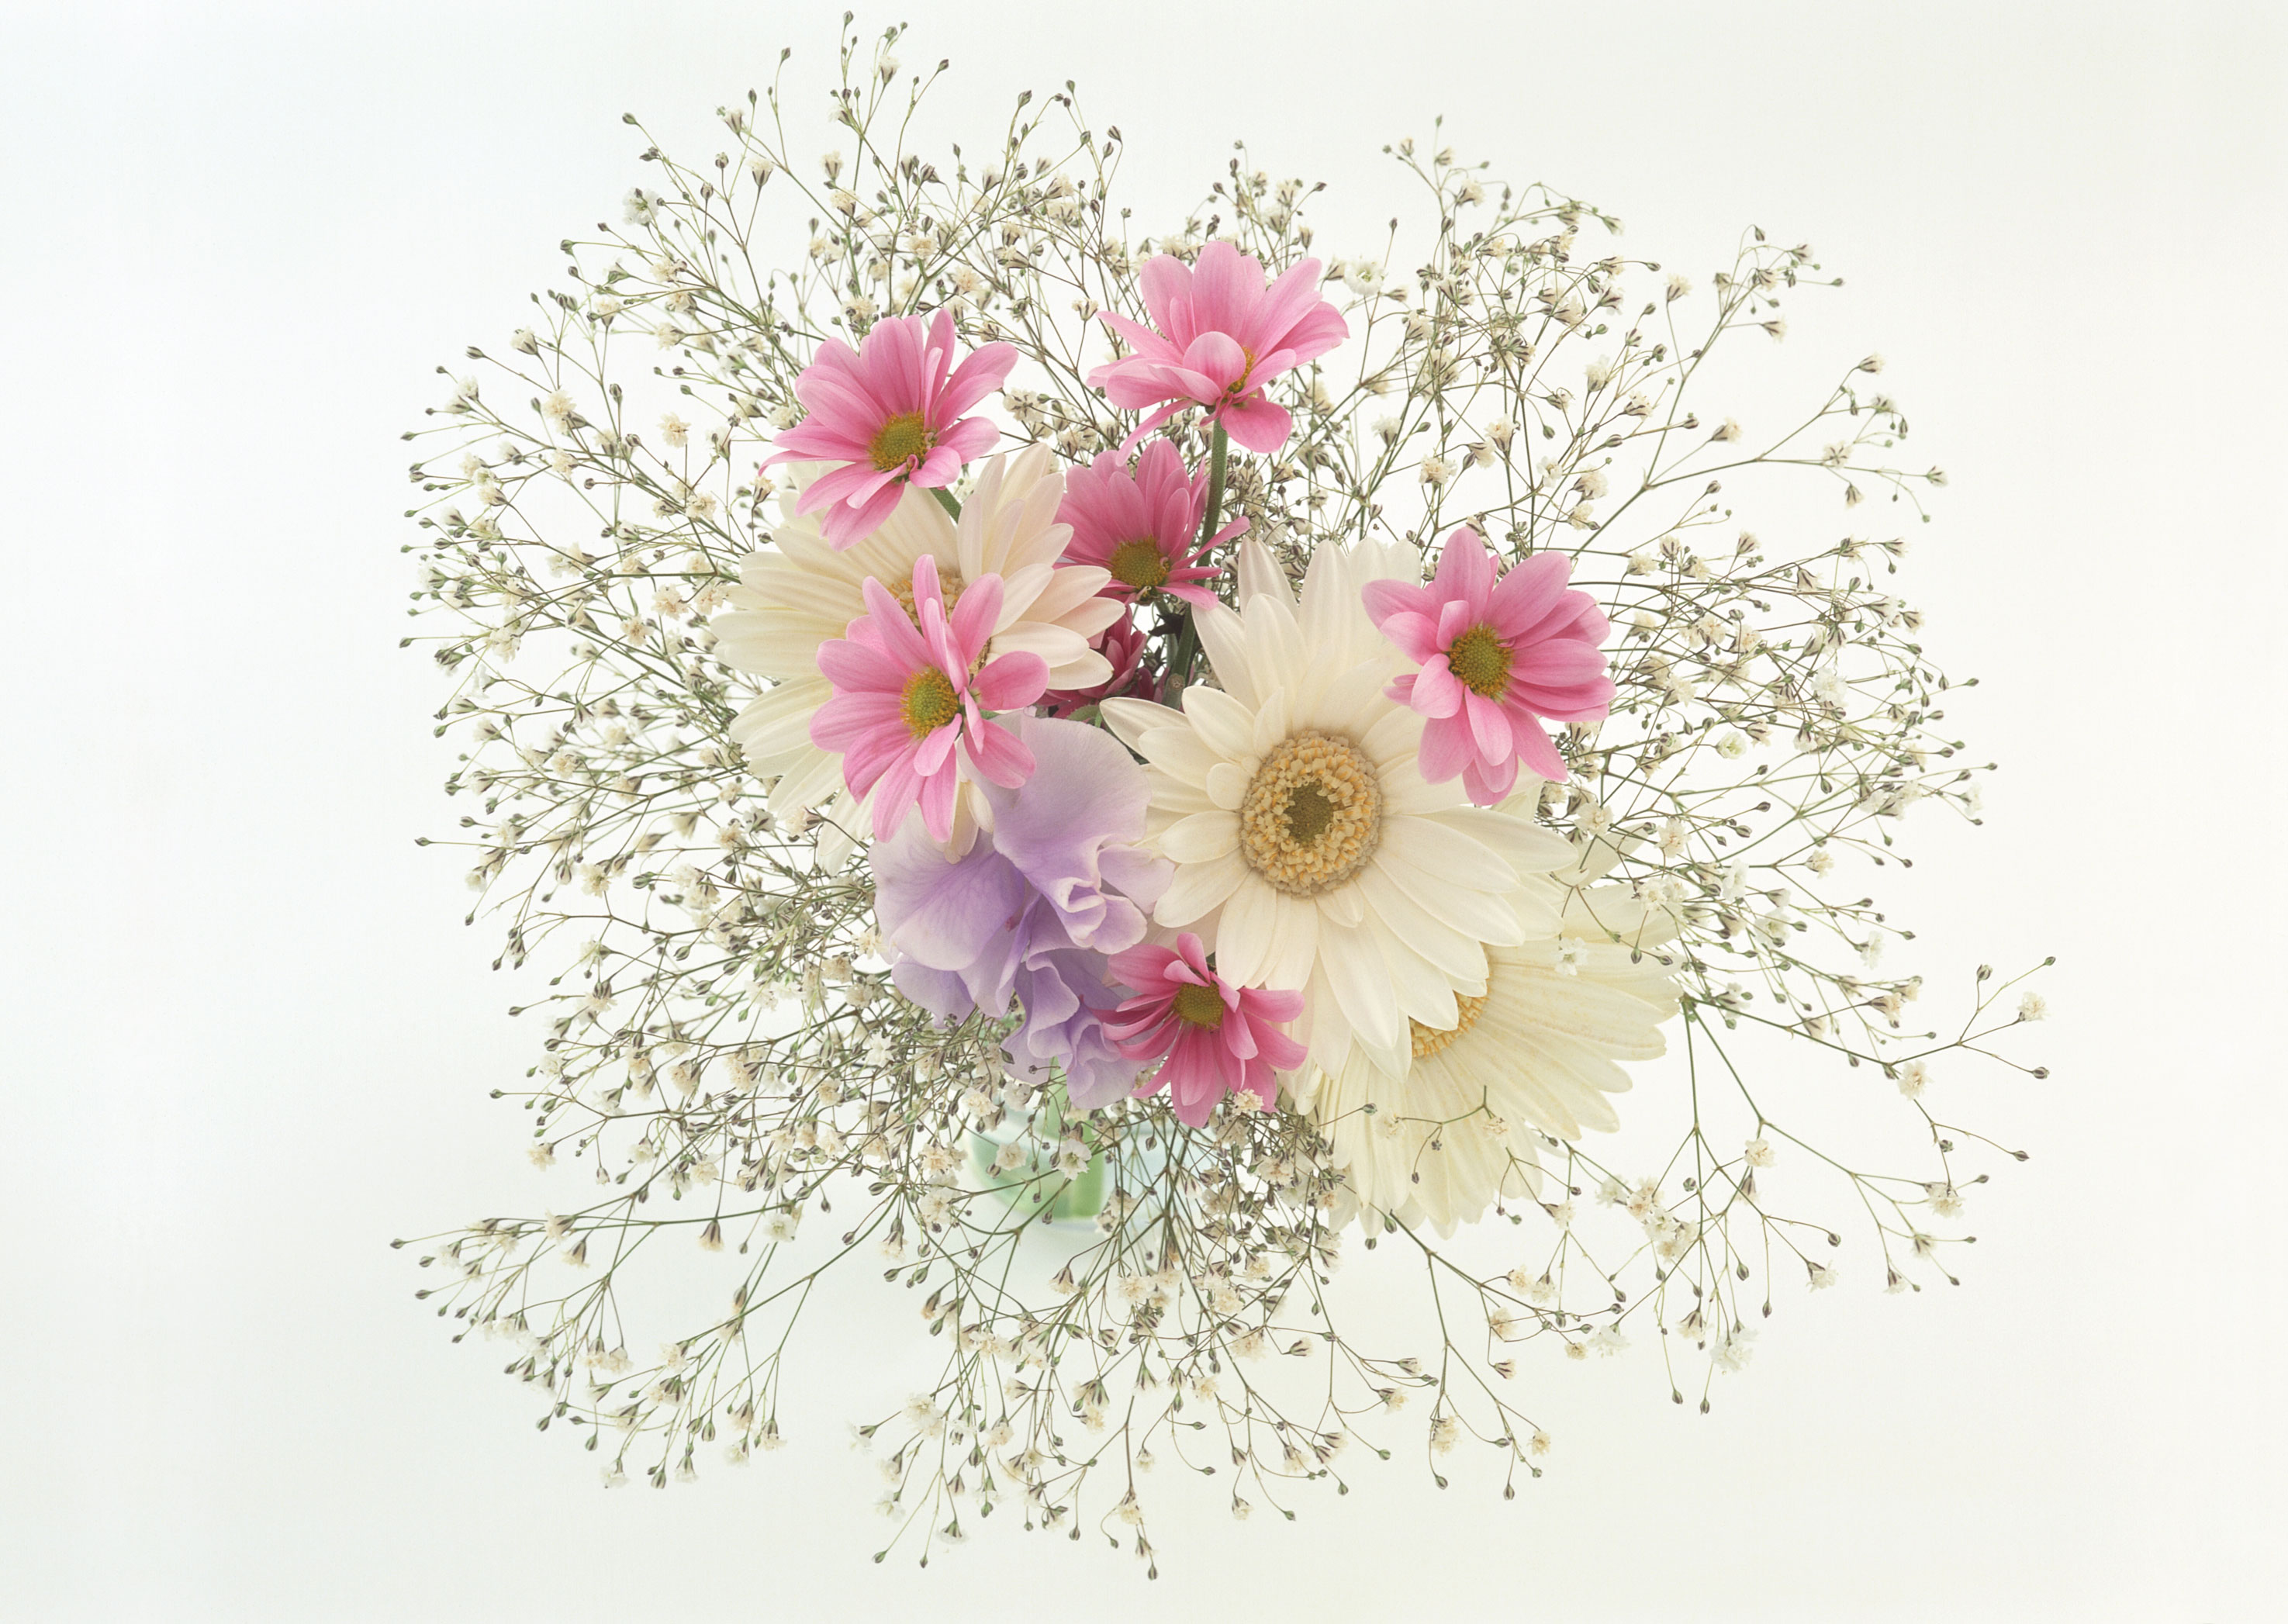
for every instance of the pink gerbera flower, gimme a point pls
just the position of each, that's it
(903, 698)
(891, 413)
(1496, 657)
(1222, 335)
(1218, 1039)
(1143, 527)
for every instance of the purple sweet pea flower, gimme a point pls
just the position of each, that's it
(1035, 910)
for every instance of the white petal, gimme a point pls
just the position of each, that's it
(1223, 724)
(1222, 636)
(1198, 887)
(1129, 719)
(1259, 576)
(1295, 944)
(1227, 783)
(1200, 837)
(1360, 980)
(1530, 847)
(1247, 933)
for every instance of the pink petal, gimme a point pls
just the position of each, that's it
(1257, 425)
(1491, 785)
(937, 804)
(1217, 357)
(975, 614)
(1535, 749)
(1466, 571)
(986, 369)
(1012, 681)
(1446, 748)
(1385, 598)
(1527, 593)
(1166, 284)
(1437, 691)
(999, 755)
(1489, 726)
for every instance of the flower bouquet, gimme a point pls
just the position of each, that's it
(1099, 775)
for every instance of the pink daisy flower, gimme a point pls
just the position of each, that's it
(1218, 1039)
(1143, 527)
(1222, 335)
(890, 414)
(903, 698)
(1496, 657)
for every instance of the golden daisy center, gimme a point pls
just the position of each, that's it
(1313, 815)
(1139, 564)
(1199, 1006)
(1429, 1040)
(928, 702)
(903, 437)
(1480, 661)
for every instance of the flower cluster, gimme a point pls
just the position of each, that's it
(1241, 756)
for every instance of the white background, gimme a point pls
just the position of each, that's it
(246, 1043)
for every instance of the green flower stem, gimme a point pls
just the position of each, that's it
(947, 500)
(1185, 653)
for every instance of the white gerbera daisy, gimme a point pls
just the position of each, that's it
(1309, 853)
(799, 592)
(1536, 1054)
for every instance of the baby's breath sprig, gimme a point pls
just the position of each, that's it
(723, 1052)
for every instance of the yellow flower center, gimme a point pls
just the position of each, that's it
(1480, 661)
(929, 702)
(1139, 564)
(903, 437)
(1313, 815)
(1429, 1040)
(1199, 1006)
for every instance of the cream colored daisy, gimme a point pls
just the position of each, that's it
(1538, 1054)
(1309, 852)
(799, 592)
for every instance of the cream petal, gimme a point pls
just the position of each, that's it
(1247, 933)
(1421, 993)
(1020, 590)
(829, 600)
(1455, 952)
(1260, 575)
(1075, 587)
(1198, 887)
(1270, 722)
(1130, 719)
(1295, 945)
(1528, 847)
(1223, 724)
(1359, 979)
(810, 777)
(1350, 704)
(1346, 905)
(1201, 838)
(1396, 742)
(1221, 635)
(1227, 783)
(779, 721)
(1481, 914)
(1275, 643)
(1169, 794)
(771, 646)
(1436, 847)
